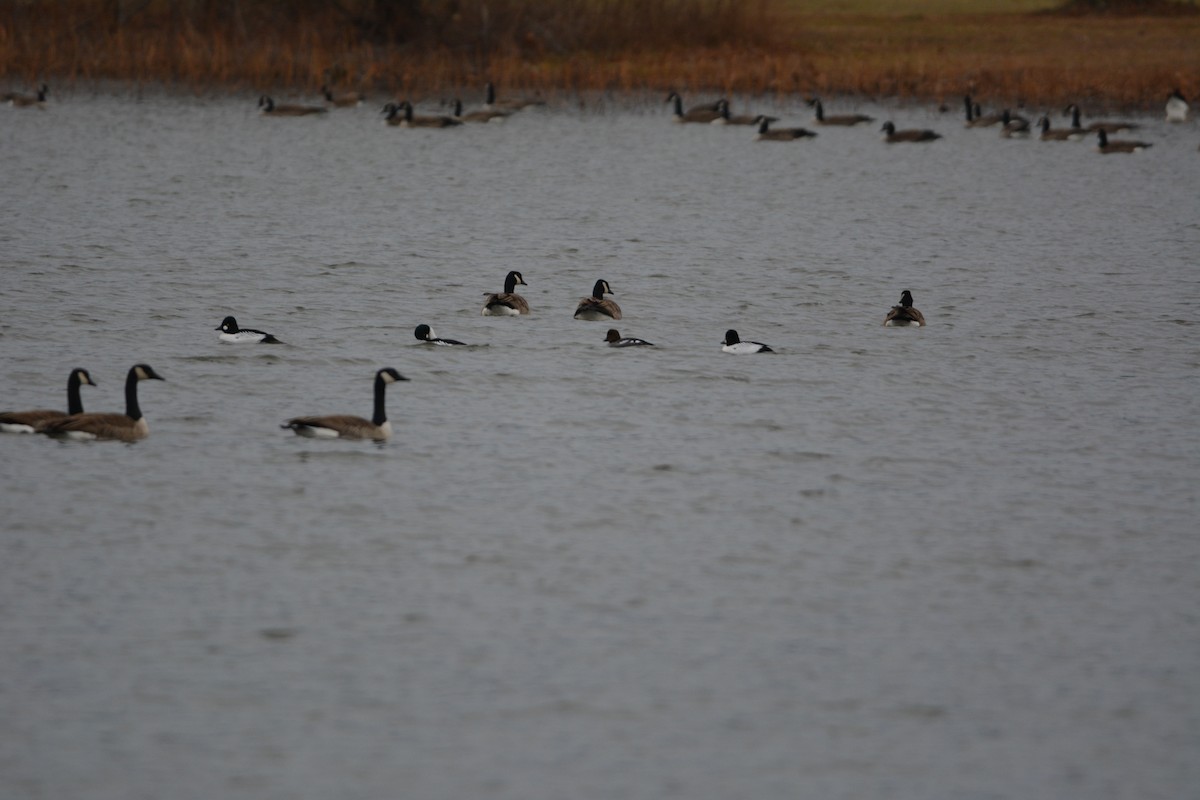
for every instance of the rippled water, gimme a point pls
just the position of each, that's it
(955, 562)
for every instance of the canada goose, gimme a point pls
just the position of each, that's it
(615, 339)
(32, 421)
(508, 104)
(127, 427)
(36, 100)
(425, 333)
(1106, 126)
(506, 303)
(707, 113)
(739, 119)
(479, 115)
(892, 136)
(230, 332)
(837, 119)
(348, 426)
(1106, 145)
(1177, 107)
(344, 100)
(765, 134)
(1014, 127)
(269, 109)
(410, 120)
(596, 308)
(975, 116)
(903, 315)
(1061, 135)
(734, 344)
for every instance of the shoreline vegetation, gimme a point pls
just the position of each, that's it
(1108, 54)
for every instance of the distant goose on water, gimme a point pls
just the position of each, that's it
(230, 332)
(270, 109)
(904, 315)
(739, 119)
(892, 136)
(1059, 135)
(615, 339)
(402, 115)
(734, 344)
(35, 100)
(425, 333)
(32, 421)
(836, 119)
(481, 114)
(1107, 126)
(344, 100)
(766, 134)
(347, 426)
(704, 113)
(1106, 145)
(508, 103)
(507, 303)
(596, 307)
(128, 427)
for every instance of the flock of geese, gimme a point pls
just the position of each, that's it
(76, 425)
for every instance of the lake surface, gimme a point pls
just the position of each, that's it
(950, 562)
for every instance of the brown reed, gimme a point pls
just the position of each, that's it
(728, 46)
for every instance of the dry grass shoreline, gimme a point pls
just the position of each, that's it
(1107, 62)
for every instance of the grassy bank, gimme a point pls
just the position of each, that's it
(874, 48)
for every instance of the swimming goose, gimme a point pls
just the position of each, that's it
(765, 134)
(739, 119)
(230, 332)
(269, 109)
(615, 339)
(975, 116)
(410, 120)
(37, 100)
(506, 303)
(734, 344)
(343, 100)
(1107, 127)
(1061, 135)
(706, 113)
(32, 421)
(1106, 145)
(479, 115)
(128, 427)
(425, 333)
(348, 426)
(508, 104)
(596, 308)
(837, 119)
(892, 136)
(1177, 107)
(903, 315)
(1014, 127)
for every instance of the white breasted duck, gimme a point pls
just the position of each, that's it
(904, 315)
(230, 332)
(615, 339)
(1177, 107)
(425, 334)
(734, 344)
(128, 427)
(32, 421)
(507, 303)
(596, 308)
(348, 426)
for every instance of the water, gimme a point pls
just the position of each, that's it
(955, 562)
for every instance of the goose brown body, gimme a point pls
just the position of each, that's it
(904, 315)
(128, 427)
(270, 109)
(32, 421)
(349, 426)
(597, 307)
(507, 303)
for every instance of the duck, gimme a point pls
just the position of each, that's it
(734, 344)
(615, 339)
(1177, 107)
(128, 427)
(904, 315)
(892, 136)
(425, 333)
(838, 119)
(508, 104)
(1060, 135)
(596, 308)
(230, 332)
(1106, 126)
(480, 115)
(344, 100)
(32, 421)
(765, 134)
(270, 109)
(1106, 145)
(35, 100)
(348, 426)
(739, 119)
(507, 303)
(410, 120)
(706, 113)
(1013, 127)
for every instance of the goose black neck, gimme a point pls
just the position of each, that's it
(132, 409)
(598, 290)
(74, 404)
(380, 416)
(820, 111)
(510, 284)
